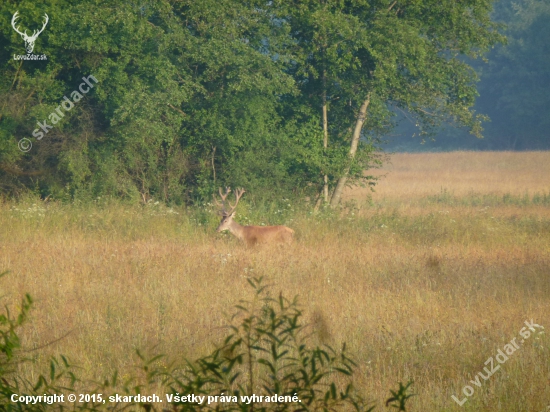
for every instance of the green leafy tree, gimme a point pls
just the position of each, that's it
(370, 57)
(187, 95)
(515, 87)
(280, 97)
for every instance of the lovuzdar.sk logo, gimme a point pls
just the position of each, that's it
(29, 40)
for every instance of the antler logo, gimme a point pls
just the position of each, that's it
(29, 40)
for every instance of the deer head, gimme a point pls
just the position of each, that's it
(227, 214)
(29, 40)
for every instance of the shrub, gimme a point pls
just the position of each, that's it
(266, 354)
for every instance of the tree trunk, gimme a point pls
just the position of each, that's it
(325, 131)
(361, 117)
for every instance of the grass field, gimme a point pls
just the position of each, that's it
(425, 279)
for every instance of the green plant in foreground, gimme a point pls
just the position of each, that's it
(10, 355)
(266, 354)
(400, 396)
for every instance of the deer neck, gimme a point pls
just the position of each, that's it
(237, 230)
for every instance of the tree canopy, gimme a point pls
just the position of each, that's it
(514, 87)
(194, 95)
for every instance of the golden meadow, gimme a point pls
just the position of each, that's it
(424, 279)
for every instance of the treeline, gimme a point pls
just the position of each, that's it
(284, 98)
(514, 87)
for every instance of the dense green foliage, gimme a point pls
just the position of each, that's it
(514, 87)
(192, 95)
(515, 91)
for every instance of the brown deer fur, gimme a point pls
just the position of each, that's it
(250, 235)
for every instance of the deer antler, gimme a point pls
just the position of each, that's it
(238, 194)
(46, 19)
(35, 33)
(29, 40)
(15, 16)
(223, 211)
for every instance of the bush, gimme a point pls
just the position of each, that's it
(265, 354)
(10, 356)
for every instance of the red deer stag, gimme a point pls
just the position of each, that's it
(250, 235)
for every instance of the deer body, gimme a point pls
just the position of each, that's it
(251, 235)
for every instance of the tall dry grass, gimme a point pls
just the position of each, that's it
(418, 175)
(420, 285)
